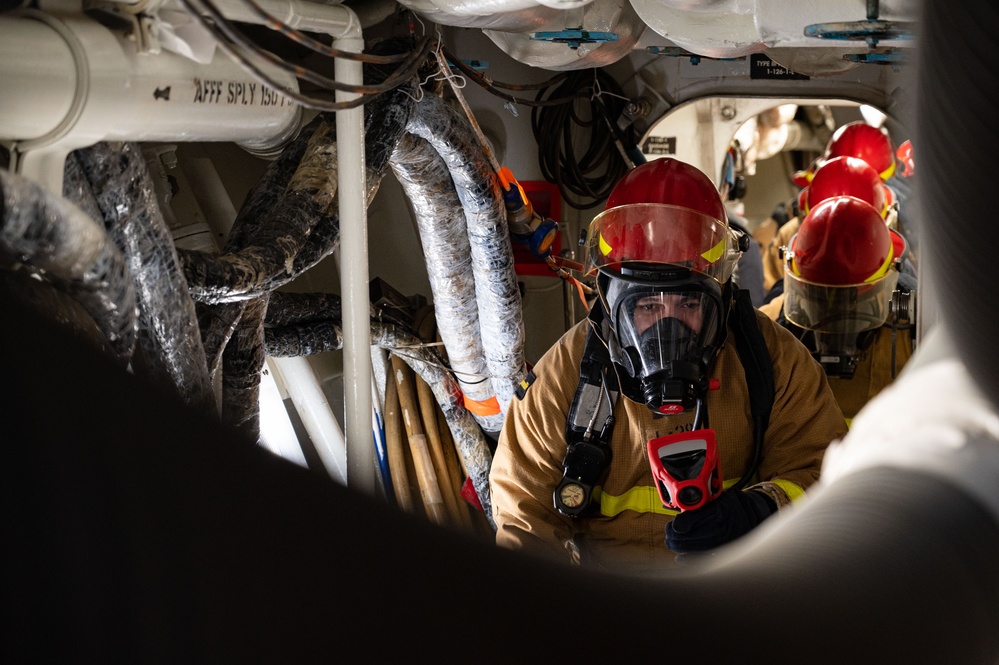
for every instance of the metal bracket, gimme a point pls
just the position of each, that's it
(574, 38)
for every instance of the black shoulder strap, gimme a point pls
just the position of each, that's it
(755, 357)
(758, 365)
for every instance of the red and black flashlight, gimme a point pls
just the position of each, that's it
(686, 468)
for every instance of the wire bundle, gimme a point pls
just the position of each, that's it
(565, 130)
(239, 46)
(557, 110)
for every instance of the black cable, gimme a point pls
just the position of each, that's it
(239, 47)
(584, 181)
(497, 87)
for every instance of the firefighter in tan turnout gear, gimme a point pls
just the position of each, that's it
(572, 477)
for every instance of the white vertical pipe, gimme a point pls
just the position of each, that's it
(351, 188)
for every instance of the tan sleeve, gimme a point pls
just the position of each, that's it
(805, 417)
(528, 461)
(764, 233)
(773, 265)
(772, 309)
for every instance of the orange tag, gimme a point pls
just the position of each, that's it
(489, 407)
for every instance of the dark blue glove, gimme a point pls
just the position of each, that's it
(731, 515)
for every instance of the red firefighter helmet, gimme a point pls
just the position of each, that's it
(847, 176)
(804, 176)
(858, 139)
(663, 212)
(841, 267)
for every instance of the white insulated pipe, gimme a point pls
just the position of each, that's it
(70, 82)
(306, 393)
(277, 434)
(343, 25)
(334, 20)
(355, 301)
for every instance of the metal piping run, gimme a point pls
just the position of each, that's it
(352, 186)
(306, 393)
(71, 82)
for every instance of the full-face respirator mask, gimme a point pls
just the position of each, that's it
(665, 329)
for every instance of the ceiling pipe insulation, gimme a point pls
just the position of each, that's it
(169, 349)
(440, 220)
(712, 28)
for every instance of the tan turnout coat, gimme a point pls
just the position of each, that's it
(628, 532)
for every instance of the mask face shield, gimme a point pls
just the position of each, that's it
(839, 317)
(666, 335)
(838, 309)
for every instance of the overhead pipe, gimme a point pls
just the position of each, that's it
(306, 393)
(501, 323)
(440, 220)
(71, 82)
(277, 433)
(362, 470)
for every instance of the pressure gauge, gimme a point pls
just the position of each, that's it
(584, 465)
(572, 495)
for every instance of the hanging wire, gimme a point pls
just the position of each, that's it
(497, 87)
(244, 51)
(584, 101)
(561, 130)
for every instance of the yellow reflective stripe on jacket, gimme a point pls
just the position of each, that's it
(645, 499)
(792, 490)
